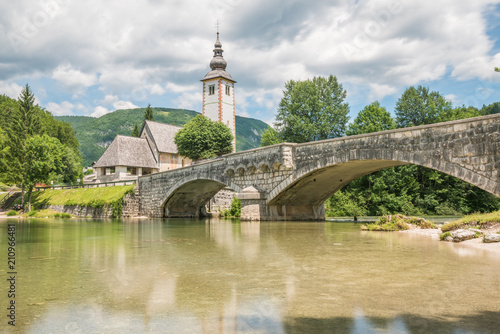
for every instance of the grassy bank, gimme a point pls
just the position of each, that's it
(479, 220)
(90, 197)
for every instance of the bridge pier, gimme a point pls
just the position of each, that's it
(254, 207)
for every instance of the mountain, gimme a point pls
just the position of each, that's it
(95, 134)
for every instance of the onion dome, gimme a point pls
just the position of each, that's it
(218, 64)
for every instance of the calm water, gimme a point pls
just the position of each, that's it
(218, 276)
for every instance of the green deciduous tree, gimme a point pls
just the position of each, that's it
(148, 114)
(372, 118)
(270, 137)
(312, 110)
(462, 112)
(491, 109)
(418, 106)
(202, 138)
(44, 156)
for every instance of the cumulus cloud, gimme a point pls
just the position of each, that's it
(65, 108)
(72, 78)
(100, 111)
(127, 52)
(12, 90)
(124, 105)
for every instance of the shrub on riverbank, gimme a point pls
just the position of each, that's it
(234, 211)
(479, 220)
(12, 213)
(397, 223)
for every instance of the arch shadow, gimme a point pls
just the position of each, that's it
(187, 198)
(315, 187)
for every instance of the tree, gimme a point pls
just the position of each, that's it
(203, 138)
(148, 114)
(25, 122)
(43, 158)
(372, 118)
(418, 106)
(497, 69)
(491, 109)
(135, 131)
(270, 137)
(4, 150)
(312, 110)
(462, 112)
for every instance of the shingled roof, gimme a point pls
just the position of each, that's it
(163, 136)
(127, 151)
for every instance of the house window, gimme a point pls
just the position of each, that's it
(109, 171)
(132, 170)
(228, 90)
(211, 90)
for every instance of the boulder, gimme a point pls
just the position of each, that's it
(462, 235)
(492, 238)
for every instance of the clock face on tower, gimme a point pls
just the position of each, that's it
(218, 92)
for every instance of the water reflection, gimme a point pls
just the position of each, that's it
(181, 276)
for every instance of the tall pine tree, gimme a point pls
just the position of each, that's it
(148, 114)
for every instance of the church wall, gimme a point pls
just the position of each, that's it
(172, 161)
(211, 107)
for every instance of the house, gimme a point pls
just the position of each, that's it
(127, 157)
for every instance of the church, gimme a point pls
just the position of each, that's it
(154, 150)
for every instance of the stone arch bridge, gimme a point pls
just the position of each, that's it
(292, 181)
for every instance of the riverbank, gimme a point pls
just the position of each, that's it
(476, 243)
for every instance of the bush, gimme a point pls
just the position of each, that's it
(65, 215)
(235, 210)
(397, 223)
(12, 213)
(443, 236)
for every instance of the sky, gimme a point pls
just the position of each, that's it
(93, 57)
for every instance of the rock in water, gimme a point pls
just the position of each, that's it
(462, 235)
(492, 238)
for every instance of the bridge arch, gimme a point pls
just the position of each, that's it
(187, 197)
(319, 179)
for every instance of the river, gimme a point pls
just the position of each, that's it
(222, 276)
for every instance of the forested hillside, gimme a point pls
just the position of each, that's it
(95, 134)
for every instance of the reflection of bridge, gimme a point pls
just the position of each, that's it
(292, 181)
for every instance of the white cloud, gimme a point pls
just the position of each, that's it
(124, 105)
(378, 47)
(189, 101)
(73, 79)
(100, 111)
(58, 109)
(12, 90)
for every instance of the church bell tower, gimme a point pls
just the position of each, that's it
(218, 92)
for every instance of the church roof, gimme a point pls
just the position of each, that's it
(218, 64)
(217, 73)
(163, 136)
(127, 151)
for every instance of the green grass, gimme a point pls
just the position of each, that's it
(397, 223)
(2, 195)
(480, 220)
(93, 197)
(46, 213)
